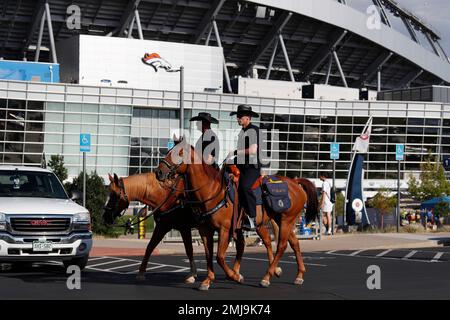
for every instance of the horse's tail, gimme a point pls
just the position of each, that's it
(312, 209)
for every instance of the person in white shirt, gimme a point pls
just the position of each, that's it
(326, 206)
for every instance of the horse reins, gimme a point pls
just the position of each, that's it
(156, 209)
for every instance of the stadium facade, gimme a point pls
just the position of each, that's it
(333, 42)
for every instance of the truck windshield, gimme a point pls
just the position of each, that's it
(30, 184)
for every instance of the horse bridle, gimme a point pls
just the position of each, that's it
(122, 193)
(155, 210)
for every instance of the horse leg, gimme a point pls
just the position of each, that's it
(284, 233)
(187, 240)
(264, 234)
(158, 234)
(208, 242)
(221, 251)
(240, 246)
(293, 241)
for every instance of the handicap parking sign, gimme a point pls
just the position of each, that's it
(334, 151)
(399, 152)
(85, 142)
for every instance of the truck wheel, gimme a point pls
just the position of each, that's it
(81, 262)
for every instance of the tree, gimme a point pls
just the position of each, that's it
(96, 195)
(383, 203)
(56, 163)
(432, 182)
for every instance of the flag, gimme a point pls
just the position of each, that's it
(154, 60)
(362, 142)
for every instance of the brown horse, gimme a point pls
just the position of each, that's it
(157, 195)
(208, 189)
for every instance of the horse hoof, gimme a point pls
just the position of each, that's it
(299, 281)
(278, 272)
(204, 287)
(140, 277)
(189, 280)
(264, 283)
(241, 279)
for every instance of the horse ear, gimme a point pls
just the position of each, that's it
(110, 178)
(116, 179)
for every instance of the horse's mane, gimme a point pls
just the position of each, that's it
(210, 171)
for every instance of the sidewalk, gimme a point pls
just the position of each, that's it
(127, 246)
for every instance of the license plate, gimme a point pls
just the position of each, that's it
(42, 246)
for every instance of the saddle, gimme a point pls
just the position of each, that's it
(273, 193)
(232, 174)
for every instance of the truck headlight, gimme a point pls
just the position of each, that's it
(82, 221)
(2, 221)
(83, 217)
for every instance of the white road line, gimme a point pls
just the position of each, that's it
(120, 267)
(437, 257)
(331, 252)
(356, 253)
(290, 262)
(409, 255)
(383, 253)
(105, 263)
(98, 258)
(102, 270)
(181, 270)
(156, 267)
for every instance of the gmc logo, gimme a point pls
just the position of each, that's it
(39, 222)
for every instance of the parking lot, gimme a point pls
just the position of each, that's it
(405, 274)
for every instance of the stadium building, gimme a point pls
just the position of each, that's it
(314, 70)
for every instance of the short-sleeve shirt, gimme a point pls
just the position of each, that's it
(210, 142)
(326, 187)
(247, 137)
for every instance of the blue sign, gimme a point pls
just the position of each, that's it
(85, 142)
(170, 144)
(399, 152)
(447, 163)
(334, 151)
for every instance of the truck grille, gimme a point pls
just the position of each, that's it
(40, 225)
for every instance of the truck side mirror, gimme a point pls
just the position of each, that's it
(76, 195)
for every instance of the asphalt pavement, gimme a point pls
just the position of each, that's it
(406, 273)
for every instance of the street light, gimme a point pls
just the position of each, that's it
(181, 71)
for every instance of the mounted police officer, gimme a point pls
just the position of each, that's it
(247, 159)
(208, 144)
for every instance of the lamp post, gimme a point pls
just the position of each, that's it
(181, 71)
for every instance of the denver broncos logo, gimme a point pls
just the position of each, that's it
(154, 60)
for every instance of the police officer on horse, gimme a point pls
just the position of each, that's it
(247, 159)
(208, 144)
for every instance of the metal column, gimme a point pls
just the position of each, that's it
(209, 36)
(41, 32)
(379, 79)
(340, 68)
(272, 58)
(50, 32)
(138, 23)
(219, 43)
(330, 64)
(286, 57)
(130, 29)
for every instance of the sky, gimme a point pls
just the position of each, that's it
(434, 12)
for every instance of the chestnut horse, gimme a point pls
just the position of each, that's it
(208, 189)
(170, 214)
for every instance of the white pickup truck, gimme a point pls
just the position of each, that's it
(38, 221)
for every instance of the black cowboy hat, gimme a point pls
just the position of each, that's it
(205, 116)
(245, 110)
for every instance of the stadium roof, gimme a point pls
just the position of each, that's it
(311, 30)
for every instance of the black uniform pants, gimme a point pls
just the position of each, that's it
(246, 197)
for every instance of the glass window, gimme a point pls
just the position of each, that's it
(35, 105)
(54, 106)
